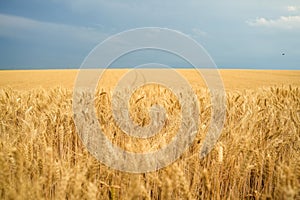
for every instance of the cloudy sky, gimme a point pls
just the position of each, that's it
(237, 34)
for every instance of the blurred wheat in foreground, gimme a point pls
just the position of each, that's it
(256, 157)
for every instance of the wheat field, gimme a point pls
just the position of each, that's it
(256, 157)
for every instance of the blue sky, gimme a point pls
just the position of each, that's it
(237, 34)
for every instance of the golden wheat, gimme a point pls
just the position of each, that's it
(257, 156)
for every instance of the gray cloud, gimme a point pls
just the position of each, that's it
(25, 28)
(78, 25)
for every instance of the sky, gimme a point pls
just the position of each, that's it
(236, 34)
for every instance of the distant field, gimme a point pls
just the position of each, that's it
(233, 79)
(256, 157)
